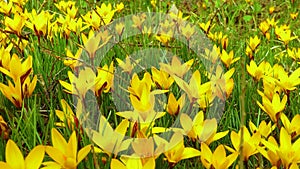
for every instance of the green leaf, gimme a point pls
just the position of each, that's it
(247, 18)
(257, 7)
(218, 3)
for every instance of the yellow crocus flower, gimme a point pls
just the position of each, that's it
(294, 53)
(5, 56)
(213, 55)
(72, 60)
(255, 71)
(272, 22)
(200, 129)
(288, 82)
(249, 145)
(270, 155)
(292, 127)
(17, 69)
(273, 107)
(142, 100)
(72, 11)
(39, 22)
(126, 65)
(16, 24)
(120, 28)
(188, 31)
(110, 140)
(17, 92)
(254, 42)
(104, 79)
(287, 151)
(224, 42)
(264, 27)
(66, 116)
(281, 28)
(175, 150)
(106, 13)
(136, 84)
(78, 86)
(165, 36)
(29, 86)
(119, 7)
(194, 89)
(161, 78)
(258, 72)
(94, 42)
(91, 43)
(64, 5)
(6, 8)
(206, 27)
(174, 106)
(221, 83)
(177, 15)
(92, 19)
(138, 21)
(271, 9)
(13, 92)
(285, 36)
(264, 129)
(294, 15)
(146, 148)
(269, 89)
(227, 58)
(101, 16)
(153, 3)
(176, 68)
(218, 158)
(65, 153)
(15, 159)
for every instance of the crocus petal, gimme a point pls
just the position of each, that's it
(150, 164)
(13, 155)
(51, 165)
(83, 153)
(206, 155)
(209, 128)
(35, 157)
(71, 149)
(219, 155)
(220, 135)
(116, 164)
(66, 107)
(6, 72)
(294, 166)
(186, 122)
(32, 85)
(58, 141)
(128, 115)
(56, 155)
(190, 153)
(67, 86)
(4, 165)
(235, 140)
(285, 140)
(122, 127)
(232, 157)
(271, 144)
(133, 163)
(285, 121)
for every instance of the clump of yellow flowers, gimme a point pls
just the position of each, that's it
(176, 90)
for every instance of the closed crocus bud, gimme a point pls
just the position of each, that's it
(271, 9)
(268, 35)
